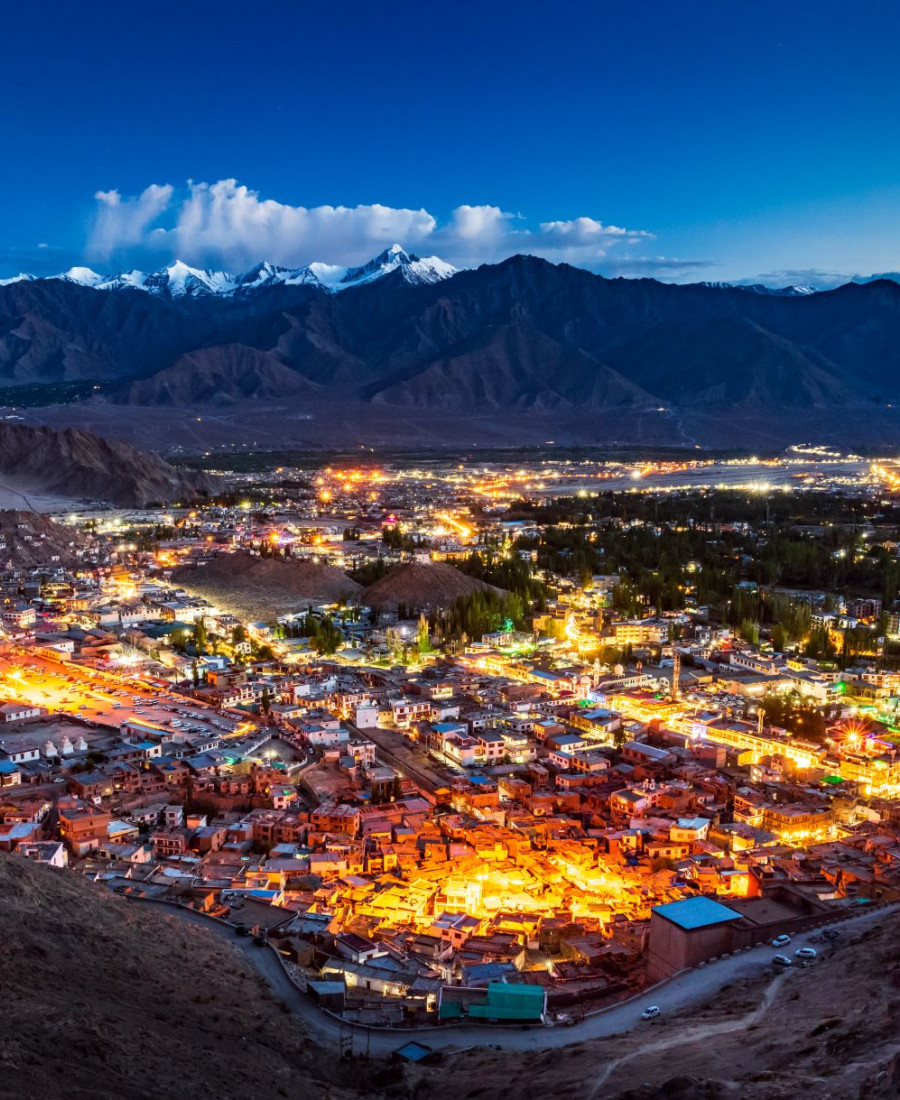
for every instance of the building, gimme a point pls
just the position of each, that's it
(685, 933)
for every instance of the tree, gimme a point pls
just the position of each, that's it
(818, 644)
(265, 703)
(423, 641)
(327, 637)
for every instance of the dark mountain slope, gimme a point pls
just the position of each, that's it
(222, 375)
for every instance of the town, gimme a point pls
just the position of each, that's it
(459, 744)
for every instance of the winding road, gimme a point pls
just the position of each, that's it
(688, 989)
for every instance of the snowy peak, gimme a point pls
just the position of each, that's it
(414, 270)
(761, 288)
(179, 280)
(22, 277)
(81, 275)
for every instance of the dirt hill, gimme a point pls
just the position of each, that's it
(422, 584)
(28, 540)
(78, 465)
(260, 588)
(108, 999)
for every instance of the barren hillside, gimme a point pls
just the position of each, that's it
(262, 588)
(422, 584)
(106, 999)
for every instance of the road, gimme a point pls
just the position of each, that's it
(706, 1031)
(684, 992)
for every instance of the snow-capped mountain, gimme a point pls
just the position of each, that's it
(178, 280)
(431, 269)
(761, 288)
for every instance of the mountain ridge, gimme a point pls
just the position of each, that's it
(520, 338)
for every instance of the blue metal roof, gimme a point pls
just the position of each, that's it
(696, 913)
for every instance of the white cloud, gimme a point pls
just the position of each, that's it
(124, 223)
(227, 224)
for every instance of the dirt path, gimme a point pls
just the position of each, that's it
(707, 1031)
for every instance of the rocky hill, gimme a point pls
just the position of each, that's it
(106, 999)
(533, 343)
(29, 540)
(77, 465)
(261, 588)
(422, 584)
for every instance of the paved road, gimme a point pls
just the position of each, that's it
(685, 991)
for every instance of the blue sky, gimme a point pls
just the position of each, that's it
(711, 139)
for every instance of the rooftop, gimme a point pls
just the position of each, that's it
(696, 913)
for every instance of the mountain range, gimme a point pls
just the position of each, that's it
(179, 280)
(520, 339)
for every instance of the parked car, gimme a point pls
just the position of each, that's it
(650, 1013)
(806, 953)
(782, 940)
(782, 960)
(831, 934)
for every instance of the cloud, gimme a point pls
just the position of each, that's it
(123, 223)
(230, 225)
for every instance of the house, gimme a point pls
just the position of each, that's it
(18, 712)
(82, 827)
(685, 933)
(50, 852)
(10, 774)
(499, 1002)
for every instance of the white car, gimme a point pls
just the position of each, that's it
(781, 941)
(650, 1013)
(782, 960)
(806, 953)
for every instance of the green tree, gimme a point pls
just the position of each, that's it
(423, 641)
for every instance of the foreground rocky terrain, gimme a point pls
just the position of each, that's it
(106, 999)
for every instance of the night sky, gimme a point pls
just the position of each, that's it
(700, 140)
